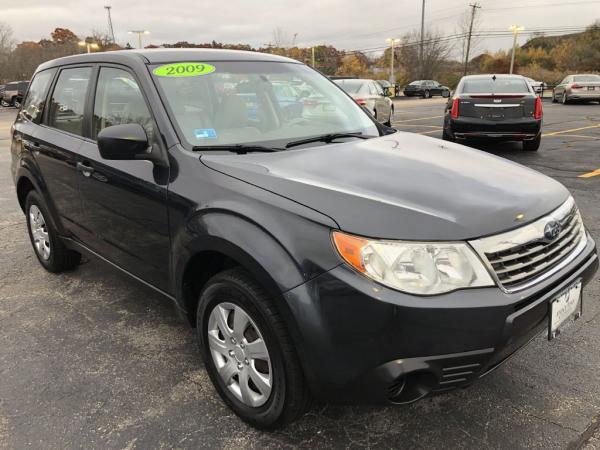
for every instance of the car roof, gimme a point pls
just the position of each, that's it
(166, 55)
(497, 75)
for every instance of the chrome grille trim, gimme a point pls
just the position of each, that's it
(523, 257)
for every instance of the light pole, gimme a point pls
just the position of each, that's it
(89, 45)
(516, 29)
(392, 42)
(139, 35)
(312, 52)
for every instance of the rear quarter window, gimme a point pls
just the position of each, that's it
(33, 104)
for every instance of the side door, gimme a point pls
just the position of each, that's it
(436, 88)
(58, 141)
(125, 202)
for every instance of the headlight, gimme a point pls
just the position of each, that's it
(424, 268)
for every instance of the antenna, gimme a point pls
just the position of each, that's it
(110, 26)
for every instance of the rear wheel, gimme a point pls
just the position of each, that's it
(17, 103)
(389, 121)
(446, 136)
(533, 145)
(248, 352)
(49, 249)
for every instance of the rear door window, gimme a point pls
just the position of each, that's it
(33, 104)
(67, 104)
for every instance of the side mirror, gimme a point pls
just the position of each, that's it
(124, 142)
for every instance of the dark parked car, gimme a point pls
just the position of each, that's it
(501, 107)
(316, 256)
(426, 89)
(13, 93)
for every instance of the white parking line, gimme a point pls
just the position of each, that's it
(420, 118)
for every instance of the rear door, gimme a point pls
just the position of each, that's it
(382, 102)
(58, 141)
(124, 202)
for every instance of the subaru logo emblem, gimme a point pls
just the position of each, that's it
(552, 230)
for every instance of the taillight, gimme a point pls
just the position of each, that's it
(576, 86)
(454, 109)
(537, 112)
(361, 101)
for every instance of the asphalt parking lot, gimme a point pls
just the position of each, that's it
(91, 359)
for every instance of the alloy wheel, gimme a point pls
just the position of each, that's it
(39, 232)
(240, 354)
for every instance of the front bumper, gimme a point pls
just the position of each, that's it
(362, 342)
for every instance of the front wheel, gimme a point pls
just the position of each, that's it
(248, 352)
(565, 98)
(17, 103)
(554, 100)
(445, 94)
(426, 94)
(533, 145)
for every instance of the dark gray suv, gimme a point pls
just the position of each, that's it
(319, 254)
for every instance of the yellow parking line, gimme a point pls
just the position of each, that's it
(570, 131)
(594, 173)
(420, 118)
(579, 136)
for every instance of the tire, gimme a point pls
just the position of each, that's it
(533, 145)
(375, 115)
(554, 97)
(427, 94)
(235, 292)
(49, 249)
(565, 98)
(447, 137)
(445, 93)
(17, 104)
(4, 103)
(389, 121)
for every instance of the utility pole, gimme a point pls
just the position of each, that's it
(392, 42)
(474, 7)
(516, 29)
(312, 52)
(421, 65)
(110, 26)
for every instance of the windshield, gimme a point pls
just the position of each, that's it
(250, 102)
(497, 86)
(586, 78)
(350, 86)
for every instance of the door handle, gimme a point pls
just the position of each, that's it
(84, 169)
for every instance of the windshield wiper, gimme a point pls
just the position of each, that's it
(240, 149)
(327, 138)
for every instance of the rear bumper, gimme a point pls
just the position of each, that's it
(513, 130)
(361, 342)
(584, 96)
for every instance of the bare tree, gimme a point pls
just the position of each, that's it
(436, 50)
(281, 38)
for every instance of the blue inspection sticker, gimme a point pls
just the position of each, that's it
(205, 133)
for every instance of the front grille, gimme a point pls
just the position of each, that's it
(520, 257)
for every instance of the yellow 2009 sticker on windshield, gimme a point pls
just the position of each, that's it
(184, 69)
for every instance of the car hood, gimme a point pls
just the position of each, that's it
(402, 186)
